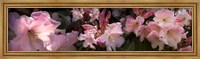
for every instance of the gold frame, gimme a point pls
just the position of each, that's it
(5, 4)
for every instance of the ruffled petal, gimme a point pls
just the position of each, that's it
(164, 17)
(140, 20)
(154, 26)
(116, 28)
(20, 44)
(43, 26)
(23, 24)
(130, 25)
(23, 43)
(164, 13)
(57, 41)
(119, 41)
(40, 17)
(72, 37)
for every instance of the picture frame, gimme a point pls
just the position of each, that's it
(5, 4)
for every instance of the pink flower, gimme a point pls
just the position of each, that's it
(88, 36)
(144, 32)
(133, 25)
(63, 42)
(94, 14)
(112, 36)
(77, 14)
(164, 17)
(183, 18)
(172, 35)
(168, 34)
(38, 26)
(154, 35)
(154, 38)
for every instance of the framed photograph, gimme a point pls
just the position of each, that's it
(99, 29)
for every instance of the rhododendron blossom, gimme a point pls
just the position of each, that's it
(172, 35)
(112, 36)
(88, 36)
(38, 26)
(132, 25)
(94, 14)
(154, 36)
(77, 14)
(183, 18)
(164, 17)
(155, 40)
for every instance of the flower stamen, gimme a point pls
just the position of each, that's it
(33, 38)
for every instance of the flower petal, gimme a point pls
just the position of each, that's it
(23, 25)
(140, 20)
(88, 27)
(77, 14)
(72, 38)
(23, 43)
(187, 48)
(57, 41)
(12, 19)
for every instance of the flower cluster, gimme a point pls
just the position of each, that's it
(108, 34)
(102, 29)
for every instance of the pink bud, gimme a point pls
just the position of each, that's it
(188, 40)
(148, 14)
